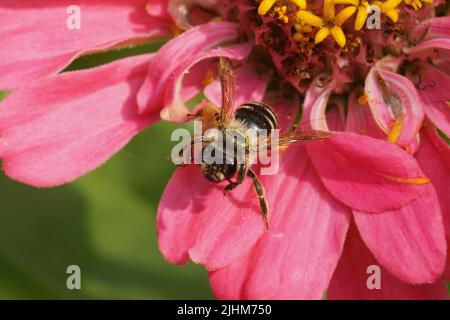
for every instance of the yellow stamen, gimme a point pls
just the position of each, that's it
(216, 19)
(298, 27)
(175, 30)
(303, 27)
(377, 3)
(416, 4)
(364, 99)
(339, 36)
(300, 3)
(352, 2)
(281, 13)
(307, 28)
(361, 17)
(310, 18)
(393, 15)
(395, 131)
(298, 36)
(208, 79)
(265, 6)
(343, 15)
(420, 180)
(389, 5)
(322, 34)
(328, 9)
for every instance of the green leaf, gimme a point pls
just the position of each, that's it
(97, 59)
(3, 95)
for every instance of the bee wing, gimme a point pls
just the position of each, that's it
(192, 146)
(193, 142)
(228, 84)
(286, 139)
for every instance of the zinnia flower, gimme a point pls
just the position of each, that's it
(375, 193)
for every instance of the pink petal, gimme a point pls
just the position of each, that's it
(210, 228)
(411, 103)
(435, 91)
(409, 241)
(315, 105)
(441, 59)
(318, 113)
(158, 8)
(437, 27)
(174, 53)
(446, 274)
(296, 257)
(36, 42)
(351, 277)
(182, 11)
(382, 113)
(360, 119)
(229, 283)
(389, 230)
(335, 115)
(406, 105)
(367, 174)
(194, 81)
(438, 43)
(175, 109)
(250, 86)
(434, 159)
(58, 128)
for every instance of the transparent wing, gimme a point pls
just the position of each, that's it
(228, 83)
(192, 147)
(286, 139)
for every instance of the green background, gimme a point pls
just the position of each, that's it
(103, 222)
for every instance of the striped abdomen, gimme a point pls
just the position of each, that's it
(257, 116)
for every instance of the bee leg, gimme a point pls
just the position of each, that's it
(230, 186)
(241, 176)
(259, 189)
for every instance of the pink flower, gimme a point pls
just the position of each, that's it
(337, 205)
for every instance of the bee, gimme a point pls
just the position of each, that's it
(254, 115)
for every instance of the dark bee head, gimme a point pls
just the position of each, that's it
(218, 172)
(220, 166)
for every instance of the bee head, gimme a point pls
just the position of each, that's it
(213, 172)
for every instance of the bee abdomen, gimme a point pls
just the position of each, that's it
(257, 115)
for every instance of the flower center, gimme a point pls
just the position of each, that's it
(306, 39)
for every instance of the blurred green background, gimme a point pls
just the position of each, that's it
(104, 223)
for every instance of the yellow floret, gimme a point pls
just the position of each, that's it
(265, 6)
(339, 36)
